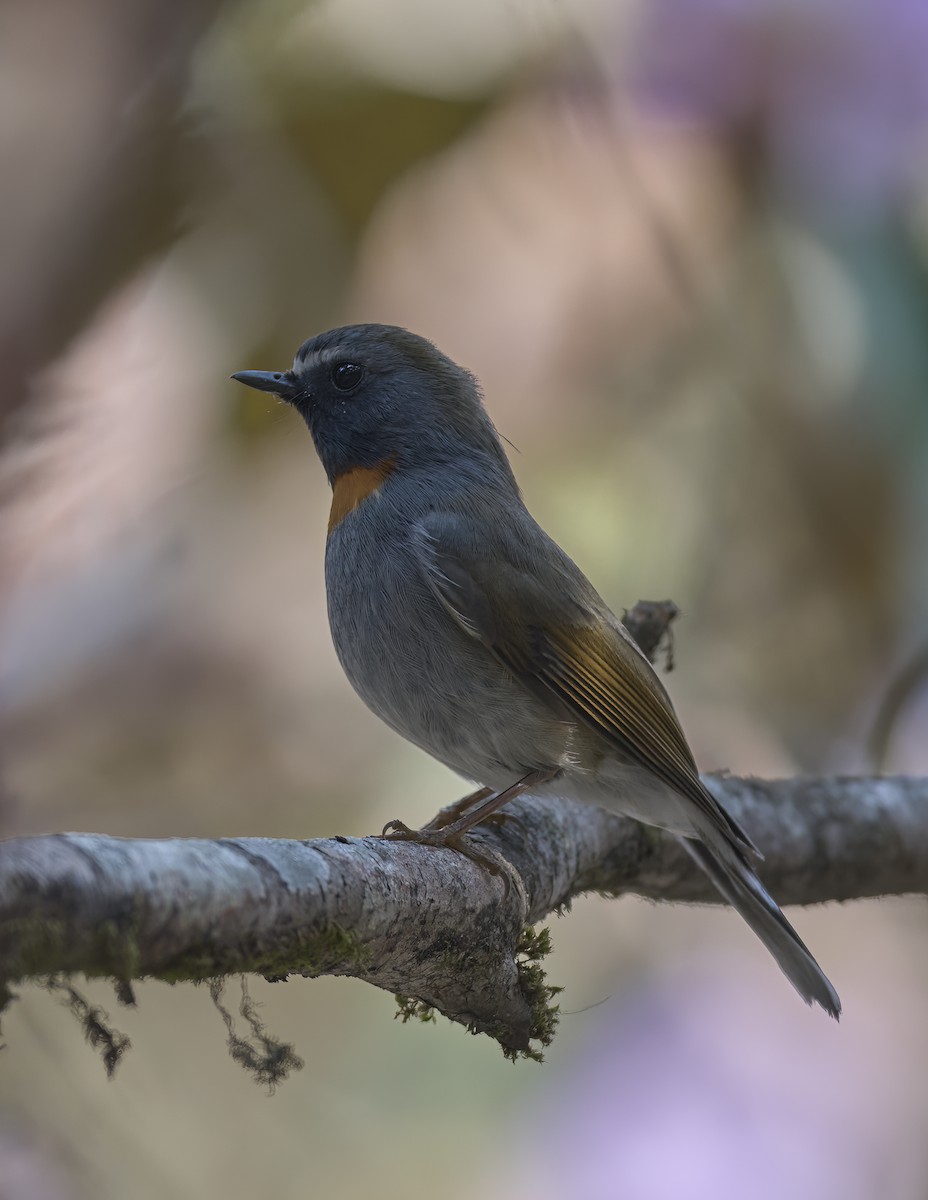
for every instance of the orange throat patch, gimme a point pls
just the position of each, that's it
(352, 488)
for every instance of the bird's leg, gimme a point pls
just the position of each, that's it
(451, 812)
(479, 814)
(438, 832)
(453, 836)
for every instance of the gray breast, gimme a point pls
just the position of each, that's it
(416, 668)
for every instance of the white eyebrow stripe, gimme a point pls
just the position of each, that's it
(328, 354)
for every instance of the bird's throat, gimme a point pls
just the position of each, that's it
(353, 487)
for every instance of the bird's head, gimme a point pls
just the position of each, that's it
(377, 395)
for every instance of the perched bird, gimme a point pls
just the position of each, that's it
(469, 631)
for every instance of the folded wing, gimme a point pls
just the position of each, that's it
(564, 644)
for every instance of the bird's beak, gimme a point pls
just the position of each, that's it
(279, 382)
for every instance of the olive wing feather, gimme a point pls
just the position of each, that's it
(560, 640)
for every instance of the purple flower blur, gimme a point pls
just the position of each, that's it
(837, 88)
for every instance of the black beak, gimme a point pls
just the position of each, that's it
(278, 382)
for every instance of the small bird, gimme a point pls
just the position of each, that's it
(462, 625)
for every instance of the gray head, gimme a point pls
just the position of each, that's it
(375, 394)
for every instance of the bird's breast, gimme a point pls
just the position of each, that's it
(413, 665)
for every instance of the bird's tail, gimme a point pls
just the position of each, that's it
(734, 877)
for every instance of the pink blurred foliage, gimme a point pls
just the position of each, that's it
(705, 1082)
(837, 88)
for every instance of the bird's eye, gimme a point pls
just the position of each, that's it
(346, 376)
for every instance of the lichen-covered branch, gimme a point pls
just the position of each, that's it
(424, 922)
(428, 924)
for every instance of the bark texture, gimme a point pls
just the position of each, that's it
(423, 922)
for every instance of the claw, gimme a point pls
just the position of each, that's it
(465, 846)
(473, 810)
(397, 830)
(449, 839)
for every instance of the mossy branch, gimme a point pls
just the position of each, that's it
(417, 921)
(427, 924)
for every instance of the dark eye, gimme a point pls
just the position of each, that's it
(347, 376)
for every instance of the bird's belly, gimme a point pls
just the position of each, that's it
(425, 677)
(630, 789)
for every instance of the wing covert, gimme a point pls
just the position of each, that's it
(566, 647)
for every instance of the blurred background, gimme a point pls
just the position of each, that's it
(683, 243)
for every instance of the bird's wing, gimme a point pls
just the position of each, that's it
(558, 638)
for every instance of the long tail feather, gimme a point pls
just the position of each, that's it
(738, 883)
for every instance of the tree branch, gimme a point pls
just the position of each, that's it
(428, 924)
(423, 922)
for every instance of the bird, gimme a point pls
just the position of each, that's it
(470, 632)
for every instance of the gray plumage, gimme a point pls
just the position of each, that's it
(470, 632)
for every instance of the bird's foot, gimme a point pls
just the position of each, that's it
(451, 839)
(478, 808)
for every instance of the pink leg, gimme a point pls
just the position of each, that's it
(453, 836)
(451, 812)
